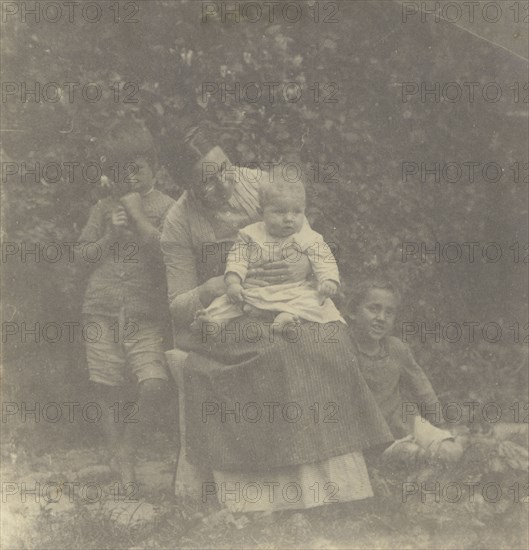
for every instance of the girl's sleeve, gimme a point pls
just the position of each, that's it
(415, 384)
(180, 263)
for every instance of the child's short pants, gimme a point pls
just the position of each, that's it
(116, 348)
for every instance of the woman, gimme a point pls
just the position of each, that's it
(270, 423)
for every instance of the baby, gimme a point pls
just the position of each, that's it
(284, 233)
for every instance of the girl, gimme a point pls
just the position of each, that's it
(391, 372)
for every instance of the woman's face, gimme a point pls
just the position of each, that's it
(375, 316)
(213, 178)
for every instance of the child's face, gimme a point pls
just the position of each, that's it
(375, 316)
(142, 178)
(283, 216)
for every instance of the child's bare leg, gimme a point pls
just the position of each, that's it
(141, 423)
(284, 322)
(111, 399)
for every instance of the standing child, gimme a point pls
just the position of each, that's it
(125, 299)
(284, 233)
(392, 374)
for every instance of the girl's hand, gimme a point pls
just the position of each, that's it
(133, 205)
(118, 220)
(282, 271)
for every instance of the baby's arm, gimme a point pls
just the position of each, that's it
(323, 265)
(328, 288)
(234, 288)
(236, 269)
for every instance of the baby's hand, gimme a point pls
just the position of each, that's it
(235, 293)
(328, 288)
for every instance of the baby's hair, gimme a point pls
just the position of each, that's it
(361, 290)
(274, 184)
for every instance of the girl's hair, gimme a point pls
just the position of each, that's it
(274, 184)
(361, 290)
(126, 140)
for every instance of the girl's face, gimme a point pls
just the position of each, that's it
(141, 178)
(375, 316)
(283, 216)
(214, 180)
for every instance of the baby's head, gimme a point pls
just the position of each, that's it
(372, 308)
(283, 204)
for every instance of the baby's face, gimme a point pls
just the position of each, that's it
(375, 316)
(284, 216)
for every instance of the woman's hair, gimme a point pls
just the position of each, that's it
(200, 140)
(274, 184)
(361, 290)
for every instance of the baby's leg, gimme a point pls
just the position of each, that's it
(209, 321)
(285, 323)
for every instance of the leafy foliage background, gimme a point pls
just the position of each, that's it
(368, 212)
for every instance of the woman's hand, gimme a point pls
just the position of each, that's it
(282, 271)
(211, 289)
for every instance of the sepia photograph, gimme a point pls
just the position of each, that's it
(264, 274)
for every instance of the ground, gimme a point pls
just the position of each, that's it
(160, 520)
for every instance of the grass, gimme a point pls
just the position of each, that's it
(392, 519)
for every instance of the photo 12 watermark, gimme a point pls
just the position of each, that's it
(271, 492)
(471, 171)
(267, 331)
(454, 492)
(52, 332)
(467, 252)
(469, 332)
(53, 412)
(269, 412)
(70, 92)
(271, 92)
(271, 12)
(87, 252)
(123, 11)
(468, 412)
(52, 492)
(254, 254)
(106, 172)
(465, 92)
(268, 172)
(465, 11)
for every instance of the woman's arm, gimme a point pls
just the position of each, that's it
(291, 270)
(180, 266)
(282, 271)
(186, 295)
